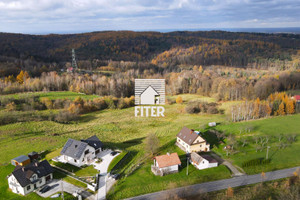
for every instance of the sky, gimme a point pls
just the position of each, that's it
(75, 16)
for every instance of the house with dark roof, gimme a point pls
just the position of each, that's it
(166, 164)
(25, 179)
(82, 152)
(203, 161)
(191, 141)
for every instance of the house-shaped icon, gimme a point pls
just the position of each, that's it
(149, 96)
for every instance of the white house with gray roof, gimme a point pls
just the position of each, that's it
(25, 179)
(82, 152)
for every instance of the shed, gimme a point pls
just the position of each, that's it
(20, 160)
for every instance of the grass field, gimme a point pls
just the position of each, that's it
(120, 129)
(51, 95)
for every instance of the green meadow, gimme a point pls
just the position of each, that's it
(120, 129)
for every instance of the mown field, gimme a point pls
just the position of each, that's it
(120, 129)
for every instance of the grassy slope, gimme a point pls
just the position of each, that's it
(51, 95)
(118, 128)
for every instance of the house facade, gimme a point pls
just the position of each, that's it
(203, 161)
(190, 141)
(24, 180)
(166, 164)
(82, 152)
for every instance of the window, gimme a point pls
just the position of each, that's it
(86, 152)
(40, 182)
(28, 187)
(75, 160)
(200, 145)
(82, 159)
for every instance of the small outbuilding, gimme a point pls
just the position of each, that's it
(20, 160)
(33, 156)
(203, 161)
(166, 164)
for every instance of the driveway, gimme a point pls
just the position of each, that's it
(103, 166)
(228, 164)
(217, 185)
(59, 185)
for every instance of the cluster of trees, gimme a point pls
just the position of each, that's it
(278, 103)
(221, 52)
(231, 84)
(69, 110)
(204, 107)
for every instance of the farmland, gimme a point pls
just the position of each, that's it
(118, 128)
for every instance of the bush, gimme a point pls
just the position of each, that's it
(65, 116)
(212, 110)
(192, 108)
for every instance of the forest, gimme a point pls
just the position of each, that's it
(44, 53)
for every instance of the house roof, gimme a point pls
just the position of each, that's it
(187, 135)
(297, 97)
(23, 174)
(74, 148)
(196, 158)
(168, 160)
(32, 153)
(94, 142)
(21, 158)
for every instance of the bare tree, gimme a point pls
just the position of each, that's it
(151, 143)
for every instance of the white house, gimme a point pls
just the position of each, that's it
(166, 164)
(82, 152)
(149, 96)
(191, 141)
(203, 161)
(25, 179)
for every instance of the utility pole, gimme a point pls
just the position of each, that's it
(74, 63)
(187, 163)
(268, 147)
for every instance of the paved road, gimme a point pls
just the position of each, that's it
(218, 185)
(228, 164)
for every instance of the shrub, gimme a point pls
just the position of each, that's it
(192, 108)
(212, 110)
(11, 106)
(65, 116)
(179, 100)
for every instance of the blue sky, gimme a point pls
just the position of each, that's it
(63, 16)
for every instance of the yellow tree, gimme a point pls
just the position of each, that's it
(230, 192)
(179, 100)
(281, 109)
(290, 107)
(20, 77)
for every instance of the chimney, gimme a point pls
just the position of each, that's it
(23, 169)
(168, 153)
(36, 164)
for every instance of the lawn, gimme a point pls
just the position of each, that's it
(120, 129)
(51, 95)
(272, 128)
(116, 160)
(143, 181)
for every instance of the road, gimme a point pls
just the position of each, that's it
(103, 167)
(218, 185)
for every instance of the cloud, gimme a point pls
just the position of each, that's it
(48, 16)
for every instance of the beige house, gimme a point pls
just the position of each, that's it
(190, 141)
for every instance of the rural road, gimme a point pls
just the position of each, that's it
(218, 185)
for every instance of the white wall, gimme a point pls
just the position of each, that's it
(83, 159)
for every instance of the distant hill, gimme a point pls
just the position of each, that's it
(121, 45)
(133, 46)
